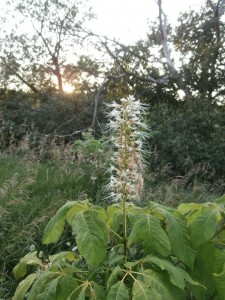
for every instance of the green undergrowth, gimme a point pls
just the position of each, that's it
(30, 194)
(168, 254)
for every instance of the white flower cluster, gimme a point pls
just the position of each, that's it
(128, 133)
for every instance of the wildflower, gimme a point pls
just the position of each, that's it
(41, 254)
(74, 249)
(32, 248)
(128, 136)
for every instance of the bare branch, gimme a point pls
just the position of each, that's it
(31, 86)
(96, 102)
(211, 4)
(174, 74)
(94, 118)
(163, 27)
(217, 7)
(221, 7)
(143, 78)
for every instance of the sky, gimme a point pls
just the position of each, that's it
(128, 19)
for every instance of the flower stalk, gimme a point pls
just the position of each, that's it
(128, 134)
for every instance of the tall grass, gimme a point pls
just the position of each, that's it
(30, 194)
(32, 191)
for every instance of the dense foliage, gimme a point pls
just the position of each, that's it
(188, 135)
(125, 251)
(52, 149)
(172, 253)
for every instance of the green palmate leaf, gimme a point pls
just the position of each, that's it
(131, 264)
(147, 229)
(78, 206)
(113, 278)
(65, 255)
(220, 286)
(55, 227)
(191, 211)
(156, 282)
(101, 213)
(221, 200)
(203, 270)
(178, 234)
(199, 293)
(185, 208)
(115, 215)
(133, 212)
(177, 275)
(141, 291)
(176, 293)
(42, 279)
(23, 287)
(81, 295)
(67, 288)
(219, 260)
(91, 236)
(203, 228)
(159, 210)
(118, 291)
(99, 293)
(49, 290)
(30, 259)
(115, 259)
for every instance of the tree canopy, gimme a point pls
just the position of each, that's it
(178, 70)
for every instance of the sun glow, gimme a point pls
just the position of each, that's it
(68, 88)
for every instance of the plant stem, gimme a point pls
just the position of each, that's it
(125, 192)
(124, 231)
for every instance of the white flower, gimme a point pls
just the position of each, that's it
(127, 136)
(41, 254)
(32, 248)
(74, 249)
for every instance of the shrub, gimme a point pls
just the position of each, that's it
(189, 134)
(126, 251)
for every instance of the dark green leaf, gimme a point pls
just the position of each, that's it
(115, 215)
(113, 278)
(156, 282)
(99, 293)
(177, 275)
(29, 259)
(67, 288)
(141, 291)
(118, 291)
(220, 280)
(49, 290)
(91, 237)
(203, 228)
(23, 287)
(203, 269)
(43, 277)
(178, 234)
(75, 209)
(147, 229)
(65, 255)
(55, 227)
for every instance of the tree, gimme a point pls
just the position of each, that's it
(200, 42)
(187, 58)
(46, 39)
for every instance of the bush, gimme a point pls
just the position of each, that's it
(189, 134)
(168, 254)
(40, 116)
